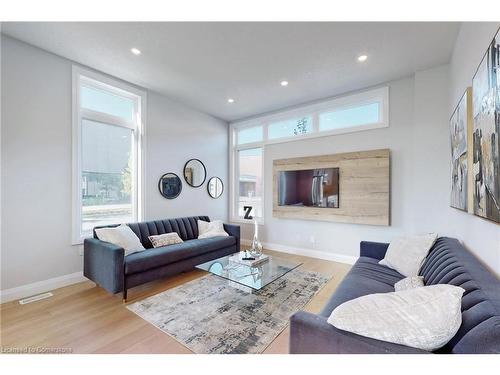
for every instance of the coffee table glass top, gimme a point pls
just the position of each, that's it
(255, 277)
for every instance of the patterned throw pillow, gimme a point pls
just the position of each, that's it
(409, 283)
(165, 239)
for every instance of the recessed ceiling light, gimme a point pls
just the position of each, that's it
(135, 51)
(284, 83)
(230, 100)
(362, 58)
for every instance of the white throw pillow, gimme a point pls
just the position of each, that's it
(424, 318)
(211, 229)
(409, 283)
(407, 254)
(121, 236)
(165, 239)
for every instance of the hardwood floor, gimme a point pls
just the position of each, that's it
(87, 319)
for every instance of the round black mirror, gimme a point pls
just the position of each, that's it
(195, 172)
(215, 187)
(170, 185)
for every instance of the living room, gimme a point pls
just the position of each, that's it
(250, 187)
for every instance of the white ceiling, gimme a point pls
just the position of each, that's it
(204, 64)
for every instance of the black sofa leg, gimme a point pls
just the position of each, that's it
(124, 287)
(124, 291)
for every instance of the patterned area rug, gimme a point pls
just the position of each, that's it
(207, 315)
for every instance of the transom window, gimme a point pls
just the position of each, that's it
(290, 128)
(107, 133)
(103, 101)
(250, 135)
(345, 118)
(362, 111)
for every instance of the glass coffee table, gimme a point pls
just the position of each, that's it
(249, 278)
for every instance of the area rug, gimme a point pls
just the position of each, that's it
(207, 315)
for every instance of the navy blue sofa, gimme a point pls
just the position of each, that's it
(448, 262)
(107, 265)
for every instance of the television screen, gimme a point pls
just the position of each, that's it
(309, 188)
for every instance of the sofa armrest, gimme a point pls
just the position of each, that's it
(311, 334)
(234, 230)
(103, 263)
(374, 250)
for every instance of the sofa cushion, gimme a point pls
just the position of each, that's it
(449, 262)
(160, 256)
(365, 277)
(185, 227)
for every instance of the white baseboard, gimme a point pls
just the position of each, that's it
(28, 290)
(347, 259)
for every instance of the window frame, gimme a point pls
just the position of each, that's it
(85, 77)
(379, 95)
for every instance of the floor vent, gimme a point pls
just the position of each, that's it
(38, 297)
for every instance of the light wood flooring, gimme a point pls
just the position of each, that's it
(87, 319)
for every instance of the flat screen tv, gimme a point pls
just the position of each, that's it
(309, 188)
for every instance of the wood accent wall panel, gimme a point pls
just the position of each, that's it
(364, 187)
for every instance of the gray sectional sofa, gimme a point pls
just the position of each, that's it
(106, 264)
(448, 262)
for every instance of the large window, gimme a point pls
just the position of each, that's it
(250, 181)
(357, 112)
(107, 133)
(247, 189)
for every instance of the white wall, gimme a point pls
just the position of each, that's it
(418, 137)
(36, 163)
(36, 166)
(174, 135)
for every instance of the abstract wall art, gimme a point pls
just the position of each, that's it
(486, 132)
(460, 133)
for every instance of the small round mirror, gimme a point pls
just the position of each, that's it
(195, 173)
(170, 185)
(215, 187)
